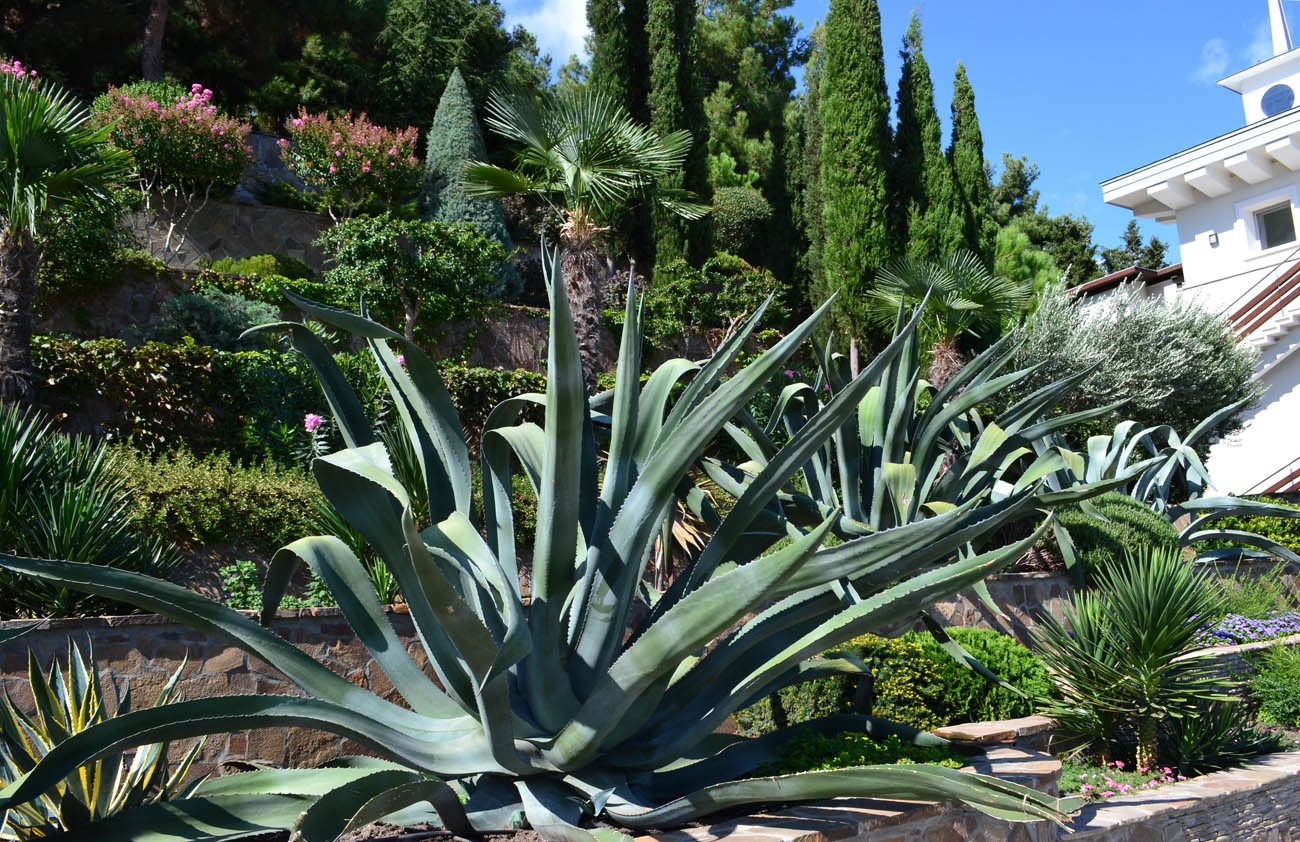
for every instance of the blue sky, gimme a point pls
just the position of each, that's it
(1087, 90)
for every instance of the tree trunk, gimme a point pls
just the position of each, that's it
(1146, 747)
(945, 361)
(584, 281)
(151, 66)
(19, 261)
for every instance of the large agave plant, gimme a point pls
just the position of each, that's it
(566, 702)
(1161, 469)
(912, 451)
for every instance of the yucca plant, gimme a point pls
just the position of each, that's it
(65, 705)
(65, 497)
(554, 706)
(1120, 654)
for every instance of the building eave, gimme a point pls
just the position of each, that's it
(1238, 81)
(1218, 166)
(1133, 274)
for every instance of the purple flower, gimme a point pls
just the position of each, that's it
(311, 421)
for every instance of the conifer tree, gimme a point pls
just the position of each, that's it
(676, 103)
(619, 57)
(922, 193)
(856, 143)
(974, 190)
(810, 198)
(453, 141)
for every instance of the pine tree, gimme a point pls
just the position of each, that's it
(676, 103)
(922, 193)
(453, 141)
(974, 190)
(856, 142)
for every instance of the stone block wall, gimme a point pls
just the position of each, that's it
(144, 651)
(226, 229)
(1259, 802)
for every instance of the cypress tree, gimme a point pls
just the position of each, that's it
(609, 48)
(922, 188)
(619, 58)
(974, 190)
(620, 66)
(856, 144)
(810, 199)
(454, 140)
(676, 102)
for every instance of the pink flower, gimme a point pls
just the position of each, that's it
(401, 359)
(311, 422)
(333, 169)
(1119, 764)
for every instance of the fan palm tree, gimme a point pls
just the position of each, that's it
(50, 154)
(583, 154)
(968, 305)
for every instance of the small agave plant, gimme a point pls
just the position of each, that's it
(565, 703)
(103, 787)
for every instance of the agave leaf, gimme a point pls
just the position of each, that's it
(346, 408)
(372, 797)
(914, 782)
(199, 819)
(495, 449)
(454, 748)
(372, 501)
(1249, 539)
(212, 618)
(347, 579)
(558, 515)
(740, 757)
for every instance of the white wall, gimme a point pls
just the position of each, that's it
(1270, 438)
(1218, 276)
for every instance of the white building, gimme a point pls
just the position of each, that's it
(1236, 202)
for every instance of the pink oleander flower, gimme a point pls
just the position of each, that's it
(311, 422)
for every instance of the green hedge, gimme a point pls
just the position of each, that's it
(1129, 527)
(248, 403)
(196, 500)
(914, 683)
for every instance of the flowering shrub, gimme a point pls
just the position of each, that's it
(1097, 783)
(1235, 629)
(354, 163)
(184, 150)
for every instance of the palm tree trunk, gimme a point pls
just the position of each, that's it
(19, 260)
(584, 281)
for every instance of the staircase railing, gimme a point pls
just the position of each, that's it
(1266, 303)
(1285, 478)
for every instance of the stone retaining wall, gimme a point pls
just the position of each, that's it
(145, 650)
(1259, 802)
(226, 229)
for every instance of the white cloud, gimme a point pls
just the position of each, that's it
(560, 25)
(1214, 61)
(1261, 47)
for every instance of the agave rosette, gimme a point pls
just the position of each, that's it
(569, 705)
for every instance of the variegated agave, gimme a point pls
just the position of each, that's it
(104, 787)
(573, 703)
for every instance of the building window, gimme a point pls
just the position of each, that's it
(1276, 226)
